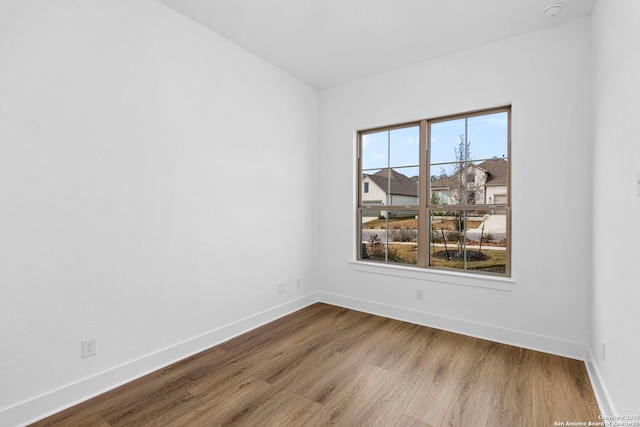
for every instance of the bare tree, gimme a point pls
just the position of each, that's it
(463, 185)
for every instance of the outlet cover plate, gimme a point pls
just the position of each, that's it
(88, 348)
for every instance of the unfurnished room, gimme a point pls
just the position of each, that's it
(340, 212)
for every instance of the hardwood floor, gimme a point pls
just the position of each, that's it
(328, 365)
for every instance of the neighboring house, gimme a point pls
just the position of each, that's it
(496, 181)
(486, 183)
(389, 187)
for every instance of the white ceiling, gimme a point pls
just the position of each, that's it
(329, 42)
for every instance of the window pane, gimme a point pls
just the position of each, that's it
(488, 135)
(390, 187)
(375, 151)
(469, 240)
(374, 187)
(469, 163)
(390, 167)
(445, 137)
(389, 236)
(404, 147)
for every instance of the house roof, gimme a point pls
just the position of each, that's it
(444, 181)
(400, 184)
(497, 169)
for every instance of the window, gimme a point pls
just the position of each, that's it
(442, 193)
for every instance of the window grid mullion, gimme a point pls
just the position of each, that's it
(425, 207)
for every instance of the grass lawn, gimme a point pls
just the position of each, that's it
(450, 224)
(496, 262)
(412, 223)
(407, 254)
(398, 222)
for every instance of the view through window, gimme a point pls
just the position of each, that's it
(436, 193)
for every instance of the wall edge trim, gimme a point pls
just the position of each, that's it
(44, 405)
(522, 339)
(605, 403)
(54, 401)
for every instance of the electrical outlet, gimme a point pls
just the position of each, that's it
(419, 294)
(298, 283)
(603, 349)
(282, 288)
(88, 348)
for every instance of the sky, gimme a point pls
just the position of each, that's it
(399, 148)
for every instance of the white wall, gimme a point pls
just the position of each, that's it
(545, 76)
(616, 204)
(148, 170)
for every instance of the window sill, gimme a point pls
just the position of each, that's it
(440, 276)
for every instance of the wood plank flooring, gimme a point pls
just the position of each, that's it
(326, 365)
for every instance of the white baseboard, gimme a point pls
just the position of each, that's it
(478, 330)
(64, 397)
(56, 400)
(502, 335)
(600, 390)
